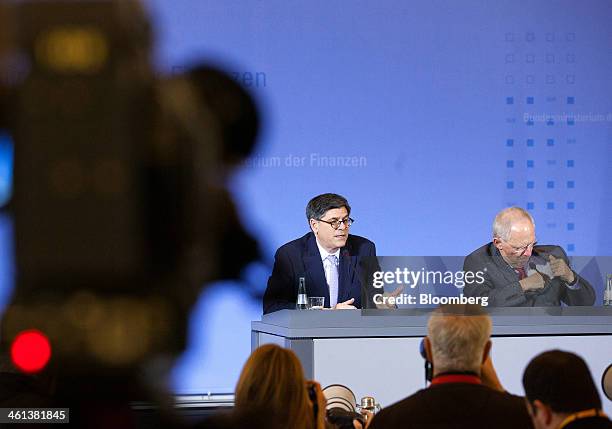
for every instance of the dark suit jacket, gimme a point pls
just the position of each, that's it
(502, 286)
(301, 258)
(590, 423)
(457, 406)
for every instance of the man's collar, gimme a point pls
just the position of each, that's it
(324, 253)
(456, 377)
(585, 414)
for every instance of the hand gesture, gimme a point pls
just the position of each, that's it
(368, 415)
(346, 305)
(534, 282)
(394, 294)
(560, 269)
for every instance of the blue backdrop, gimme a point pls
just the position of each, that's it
(429, 116)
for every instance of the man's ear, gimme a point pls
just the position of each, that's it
(542, 412)
(486, 351)
(496, 242)
(314, 225)
(428, 352)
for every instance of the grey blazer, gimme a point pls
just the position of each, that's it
(502, 286)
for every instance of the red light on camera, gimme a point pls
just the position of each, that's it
(30, 351)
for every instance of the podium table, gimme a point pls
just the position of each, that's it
(376, 352)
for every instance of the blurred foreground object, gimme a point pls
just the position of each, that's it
(121, 213)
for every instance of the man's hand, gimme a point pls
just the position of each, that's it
(534, 282)
(394, 294)
(560, 269)
(368, 415)
(346, 305)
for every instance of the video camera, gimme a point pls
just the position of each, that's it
(119, 205)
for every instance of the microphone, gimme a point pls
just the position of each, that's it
(532, 265)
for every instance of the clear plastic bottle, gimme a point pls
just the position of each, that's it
(302, 298)
(607, 295)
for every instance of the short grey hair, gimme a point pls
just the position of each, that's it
(502, 225)
(458, 335)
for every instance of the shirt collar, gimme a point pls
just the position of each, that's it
(456, 377)
(324, 253)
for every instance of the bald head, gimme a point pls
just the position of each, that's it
(510, 220)
(514, 235)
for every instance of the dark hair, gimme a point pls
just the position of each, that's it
(562, 381)
(320, 204)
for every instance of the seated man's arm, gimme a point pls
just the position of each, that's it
(584, 294)
(578, 290)
(491, 284)
(281, 291)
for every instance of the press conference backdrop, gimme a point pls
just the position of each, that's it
(429, 116)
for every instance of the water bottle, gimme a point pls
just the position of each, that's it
(302, 298)
(607, 301)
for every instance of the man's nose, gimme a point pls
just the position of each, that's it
(528, 251)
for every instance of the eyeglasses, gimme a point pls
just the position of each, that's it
(520, 251)
(347, 221)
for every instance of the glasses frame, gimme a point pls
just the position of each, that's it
(347, 221)
(520, 251)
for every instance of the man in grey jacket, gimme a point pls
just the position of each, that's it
(518, 273)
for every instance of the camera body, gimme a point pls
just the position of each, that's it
(119, 208)
(343, 419)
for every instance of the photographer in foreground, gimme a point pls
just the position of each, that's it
(272, 379)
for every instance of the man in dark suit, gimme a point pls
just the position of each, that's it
(333, 262)
(461, 394)
(561, 393)
(517, 273)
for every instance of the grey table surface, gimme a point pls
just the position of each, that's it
(413, 322)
